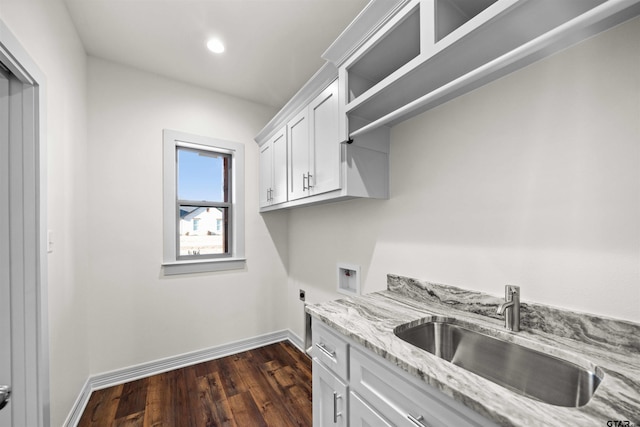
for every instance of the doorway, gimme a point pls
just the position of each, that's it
(23, 314)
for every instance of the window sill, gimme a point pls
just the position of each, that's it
(203, 266)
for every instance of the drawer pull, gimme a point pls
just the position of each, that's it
(417, 421)
(336, 414)
(329, 354)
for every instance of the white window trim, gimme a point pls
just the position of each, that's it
(237, 260)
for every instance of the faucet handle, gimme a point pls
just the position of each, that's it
(510, 291)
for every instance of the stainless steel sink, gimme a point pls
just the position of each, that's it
(520, 369)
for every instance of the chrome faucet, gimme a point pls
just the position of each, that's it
(511, 308)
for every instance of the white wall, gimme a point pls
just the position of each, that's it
(136, 314)
(44, 29)
(532, 180)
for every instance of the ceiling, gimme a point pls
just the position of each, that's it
(272, 46)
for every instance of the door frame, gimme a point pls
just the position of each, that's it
(29, 295)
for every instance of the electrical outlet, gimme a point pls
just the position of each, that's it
(302, 294)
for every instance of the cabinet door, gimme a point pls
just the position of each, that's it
(266, 173)
(362, 415)
(298, 143)
(325, 138)
(329, 398)
(279, 186)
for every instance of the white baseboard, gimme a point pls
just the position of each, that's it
(78, 407)
(132, 373)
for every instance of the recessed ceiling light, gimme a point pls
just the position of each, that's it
(215, 46)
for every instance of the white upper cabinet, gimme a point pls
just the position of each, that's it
(320, 165)
(273, 170)
(266, 174)
(315, 147)
(299, 155)
(324, 112)
(399, 58)
(279, 147)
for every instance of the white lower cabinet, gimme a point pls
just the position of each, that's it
(330, 377)
(355, 386)
(330, 398)
(363, 415)
(403, 400)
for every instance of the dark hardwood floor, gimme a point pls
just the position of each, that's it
(268, 386)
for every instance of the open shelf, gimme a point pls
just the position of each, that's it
(504, 26)
(396, 48)
(452, 14)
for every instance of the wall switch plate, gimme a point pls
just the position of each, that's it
(49, 241)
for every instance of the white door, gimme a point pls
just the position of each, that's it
(5, 294)
(23, 300)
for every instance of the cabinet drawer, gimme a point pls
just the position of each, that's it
(403, 402)
(331, 350)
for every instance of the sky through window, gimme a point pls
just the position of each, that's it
(200, 176)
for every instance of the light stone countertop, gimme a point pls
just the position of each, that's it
(612, 345)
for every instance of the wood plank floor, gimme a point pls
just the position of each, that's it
(268, 386)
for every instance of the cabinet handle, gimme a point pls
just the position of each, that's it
(304, 186)
(417, 421)
(322, 348)
(336, 414)
(309, 176)
(271, 194)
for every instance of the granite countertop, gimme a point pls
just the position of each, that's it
(612, 345)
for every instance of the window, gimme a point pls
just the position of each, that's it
(203, 183)
(203, 204)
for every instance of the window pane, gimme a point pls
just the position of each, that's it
(202, 175)
(203, 230)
